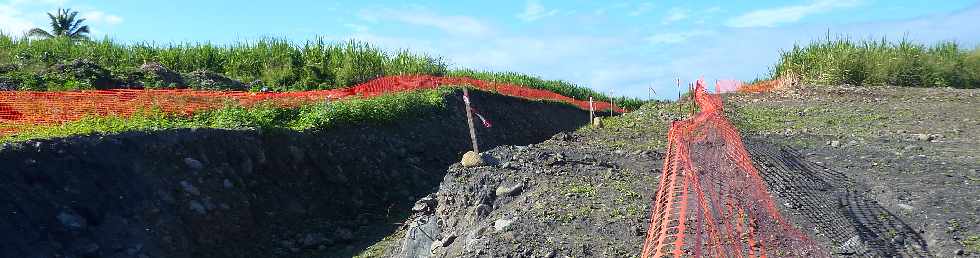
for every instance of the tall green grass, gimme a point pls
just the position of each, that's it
(277, 63)
(882, 62)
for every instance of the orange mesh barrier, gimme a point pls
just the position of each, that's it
(763, 86)
(18, 108)
(711, 201)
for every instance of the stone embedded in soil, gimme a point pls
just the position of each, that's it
(597, 122)
(189, 188)
(196, 206)
(71, 221)
(472, 159)
(508, 191)
(502, 224)
(193, 163)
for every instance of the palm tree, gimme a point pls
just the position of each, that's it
(63, 24)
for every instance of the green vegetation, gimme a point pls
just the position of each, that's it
(561, 87)
(869, 62)
(379, 109)
(61, 63)
(972, 243)
(275, 63)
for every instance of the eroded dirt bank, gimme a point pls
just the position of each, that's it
(243, 193)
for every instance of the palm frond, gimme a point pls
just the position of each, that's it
(39, 33)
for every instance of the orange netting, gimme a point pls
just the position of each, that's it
(711, 201)
(18, 108)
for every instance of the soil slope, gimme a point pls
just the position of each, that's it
(243, 193)
(879, 172)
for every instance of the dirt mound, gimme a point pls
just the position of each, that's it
(243, 193)
(208, 80)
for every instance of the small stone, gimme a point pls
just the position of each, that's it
(960, 252)
(189, 188)
(834, 143)
(312, 240)
(472, 159)
(71, 221)
(508, 191)
(502, 224)
(227, 184)
(193, 163)
(196, 206)
(597, 122)
(921, 137)
(913, 148)
(906, 207)
(448, 240)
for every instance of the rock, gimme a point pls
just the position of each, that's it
(193, 163)
(508, 191)
(562, 136)
(921, 137)
(502, 224)
(227, 184)
(448, 240)
(597, 122)
(960, 252)
(189, 188)
(196, 206)
(72, 221)
(425, 205)
(834, 143)
(472, 159)
(906, 207)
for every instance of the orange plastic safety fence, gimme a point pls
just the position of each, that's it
(763, 86)
(711, 201)
(19, 108)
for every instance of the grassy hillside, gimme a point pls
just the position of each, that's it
(881, 62)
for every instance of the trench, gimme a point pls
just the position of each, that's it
(245, 193)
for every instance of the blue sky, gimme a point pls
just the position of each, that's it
(620, 47)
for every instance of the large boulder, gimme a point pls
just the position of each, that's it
(208, 80)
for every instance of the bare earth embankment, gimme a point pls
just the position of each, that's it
(878, 172)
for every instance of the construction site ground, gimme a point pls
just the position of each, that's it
(864, 171)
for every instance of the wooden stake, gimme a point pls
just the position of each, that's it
(591, 111)
(469, 119)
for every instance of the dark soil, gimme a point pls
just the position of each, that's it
(849, 166)
(243, 193)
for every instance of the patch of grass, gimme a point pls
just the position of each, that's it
(972, 243)
(827, 120)
(882, 62)
(316, 116)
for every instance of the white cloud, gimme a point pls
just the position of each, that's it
(13, 21)
(533, 11)
(676, 37)
(676, 14)
(96, 16)
(787, 14)
(356, 27)
(452, 24)
(641, 9)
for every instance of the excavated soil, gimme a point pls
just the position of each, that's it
(244, 193)
(849, 166)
